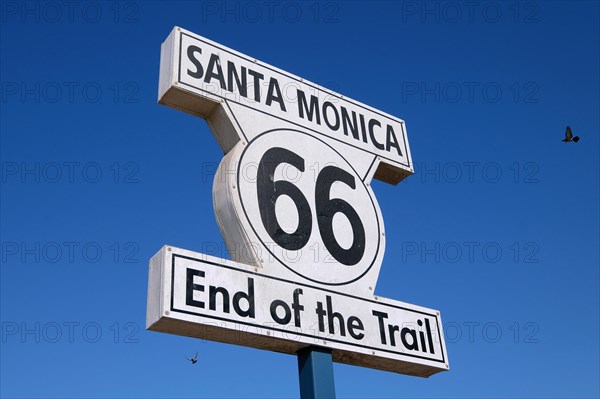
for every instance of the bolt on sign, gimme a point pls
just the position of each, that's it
(293, 201)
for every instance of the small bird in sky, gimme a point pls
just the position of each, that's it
(569, 136)
(193, 359)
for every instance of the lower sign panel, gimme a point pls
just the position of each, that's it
(200, 296)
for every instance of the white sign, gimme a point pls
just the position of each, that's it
(234, 92)
(210, 298)
(292, 198)
(288, 198)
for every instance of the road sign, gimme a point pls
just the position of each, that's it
(234, 92)
(221, 300)
(293, 200)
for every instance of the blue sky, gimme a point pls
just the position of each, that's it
(498, 228)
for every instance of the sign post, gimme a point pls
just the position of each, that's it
(293, 200)
(315, 370)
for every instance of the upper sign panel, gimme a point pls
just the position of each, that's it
(203, 78)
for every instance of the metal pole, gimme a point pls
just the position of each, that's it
(315, 372)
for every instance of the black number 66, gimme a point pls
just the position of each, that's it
(268, 191)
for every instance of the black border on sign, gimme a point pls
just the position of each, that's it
(307, 286)
(267, 247)
(406, 151)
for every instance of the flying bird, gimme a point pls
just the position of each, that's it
(569, 136)
(193, 359)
